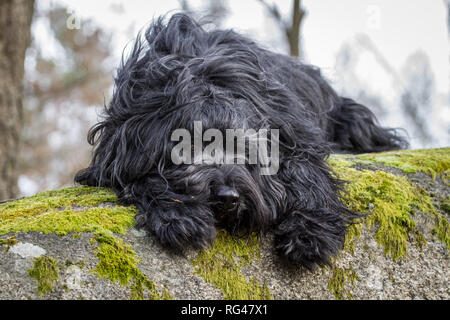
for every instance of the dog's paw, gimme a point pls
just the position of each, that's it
(180, 226)
(306, 244)
(300, 250)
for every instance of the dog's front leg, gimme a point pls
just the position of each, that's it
(313, 223)
(177, 221)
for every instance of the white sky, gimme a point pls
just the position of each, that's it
(397, 28)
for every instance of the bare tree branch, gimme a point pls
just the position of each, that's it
(292, 30)
(273, 10)
(293, 33)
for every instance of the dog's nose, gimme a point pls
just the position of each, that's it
(228, 197)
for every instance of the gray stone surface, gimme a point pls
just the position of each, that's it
(422, 274)
(27, 250)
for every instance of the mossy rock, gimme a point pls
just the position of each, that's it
(79, 243)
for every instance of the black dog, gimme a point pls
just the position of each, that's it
(180, 74)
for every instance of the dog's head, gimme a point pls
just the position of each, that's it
(230, 193)
(178, 77)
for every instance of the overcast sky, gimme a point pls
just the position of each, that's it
(397, 28)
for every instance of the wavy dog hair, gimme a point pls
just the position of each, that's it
(179, 73)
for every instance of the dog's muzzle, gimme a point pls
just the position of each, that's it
(227, 202)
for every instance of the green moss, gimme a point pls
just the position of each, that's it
(8, 242)
(118, 262)
(431, 161)
(221, 265)
(441, 230)
(80, 264)
(65, 197)
(445, 176)
(73, 210)
(445, 206)
(46, 273)
(63, 211)
(339, 280)
(392, 201)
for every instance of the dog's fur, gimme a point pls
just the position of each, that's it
(180, 74)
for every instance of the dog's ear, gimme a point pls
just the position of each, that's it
(126, 153)
(115, 157)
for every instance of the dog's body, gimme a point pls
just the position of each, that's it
(183, 74)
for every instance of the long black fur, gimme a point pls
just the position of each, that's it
(180, 74)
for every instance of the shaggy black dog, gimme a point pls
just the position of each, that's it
(180, 74)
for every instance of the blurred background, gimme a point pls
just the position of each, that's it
(58, 59)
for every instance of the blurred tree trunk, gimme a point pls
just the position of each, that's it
(15, 22)
(293, 32)
(291, 29)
